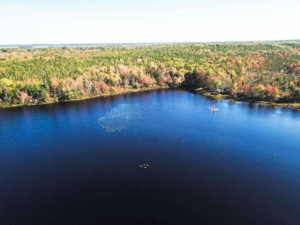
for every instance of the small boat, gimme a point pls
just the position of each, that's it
(214, 109)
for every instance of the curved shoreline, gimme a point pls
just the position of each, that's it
(219, 97)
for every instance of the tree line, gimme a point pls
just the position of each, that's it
(259, 71)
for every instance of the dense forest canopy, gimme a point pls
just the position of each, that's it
(258, 71)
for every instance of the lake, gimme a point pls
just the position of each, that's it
(159, 157)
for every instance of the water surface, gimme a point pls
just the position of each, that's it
(82, 162)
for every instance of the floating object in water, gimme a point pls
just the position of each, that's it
(214, 109)
(144, 166)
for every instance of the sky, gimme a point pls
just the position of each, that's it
(131, 21)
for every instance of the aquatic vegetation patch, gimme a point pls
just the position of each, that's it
(120, 118)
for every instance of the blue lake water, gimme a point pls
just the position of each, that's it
(82, 162)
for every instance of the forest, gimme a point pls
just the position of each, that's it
(250, 71)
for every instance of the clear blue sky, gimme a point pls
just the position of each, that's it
(110, 21)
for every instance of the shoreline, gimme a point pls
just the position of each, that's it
(109, 94)
(201, 91)
(220, 97)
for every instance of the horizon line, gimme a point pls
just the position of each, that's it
(94, 44)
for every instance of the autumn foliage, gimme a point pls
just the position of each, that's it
(257, 71)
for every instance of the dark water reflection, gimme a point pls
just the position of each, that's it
(60, 164)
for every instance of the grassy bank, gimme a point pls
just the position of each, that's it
(218, 97)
